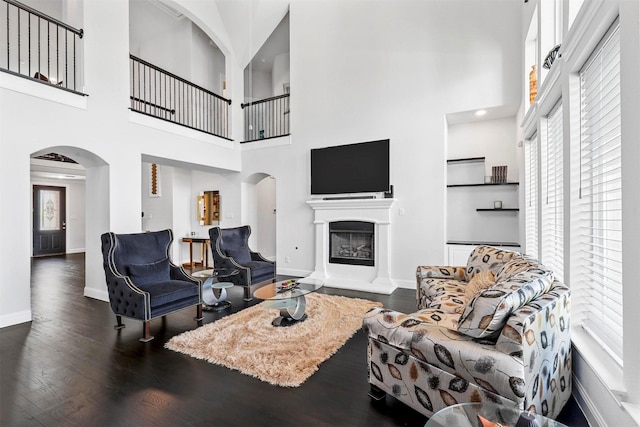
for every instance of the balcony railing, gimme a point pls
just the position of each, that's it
(266, 118)
(161, 94)
(40, 47)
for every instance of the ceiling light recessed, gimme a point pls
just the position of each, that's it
(480, 113)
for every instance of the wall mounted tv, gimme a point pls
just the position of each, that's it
(353, 168)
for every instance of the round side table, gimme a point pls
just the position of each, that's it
(213, 283)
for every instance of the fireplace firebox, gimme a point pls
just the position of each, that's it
(351, 242)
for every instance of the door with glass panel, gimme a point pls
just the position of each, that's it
(49, 222)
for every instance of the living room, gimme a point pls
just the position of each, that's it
(380, 70)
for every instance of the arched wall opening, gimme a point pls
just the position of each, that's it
(259, 211)
(97, 217)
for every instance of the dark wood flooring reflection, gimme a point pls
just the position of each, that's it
(70, 367)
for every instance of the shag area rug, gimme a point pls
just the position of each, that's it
(284, 356)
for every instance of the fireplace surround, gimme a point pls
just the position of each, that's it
(376, 213)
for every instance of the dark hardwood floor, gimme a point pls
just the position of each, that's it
(70, 367)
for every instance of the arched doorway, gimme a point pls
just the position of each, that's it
(259, 211)
(89, 207)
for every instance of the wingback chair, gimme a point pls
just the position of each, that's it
(230, 249)
(142, 281)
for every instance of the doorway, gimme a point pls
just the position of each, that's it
(49, 220)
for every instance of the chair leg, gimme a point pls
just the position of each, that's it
(146, 331)
(247, 293)
(119, 325)
(199, 316)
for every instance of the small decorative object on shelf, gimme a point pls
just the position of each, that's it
(499, 174)
(551, 56)
(497, 204)
(533, 85)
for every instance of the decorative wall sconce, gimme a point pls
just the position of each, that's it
(208, 208)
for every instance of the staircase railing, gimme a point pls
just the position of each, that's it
(40, 47)
(161, 94)
(266, 118)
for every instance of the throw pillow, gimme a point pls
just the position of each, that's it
(485, 315)
(484, 258)
(154, 272)
(479, 282)
(241, 255)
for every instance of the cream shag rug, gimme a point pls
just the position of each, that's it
(284, 356)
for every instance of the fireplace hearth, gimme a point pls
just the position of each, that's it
(351, 242)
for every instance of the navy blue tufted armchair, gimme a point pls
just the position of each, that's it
(230, 249)
(142, 281)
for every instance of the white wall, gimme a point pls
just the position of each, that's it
(176, 45)
(395, 74)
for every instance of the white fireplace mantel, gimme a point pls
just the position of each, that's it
(355, 277)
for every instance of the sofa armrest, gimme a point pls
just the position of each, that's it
(428, 276)
(539, 335)
(440, 272)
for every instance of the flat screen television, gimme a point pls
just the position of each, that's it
(352, 168)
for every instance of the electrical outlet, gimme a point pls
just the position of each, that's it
(287, 259)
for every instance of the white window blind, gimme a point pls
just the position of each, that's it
(531, 196)
(600, 199)
(552, 236)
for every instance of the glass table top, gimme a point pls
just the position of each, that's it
(467, 415)
(288, 289)
(218, 272)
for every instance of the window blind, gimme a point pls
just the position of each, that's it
(552, 236)
(600, 198)
(531, 196)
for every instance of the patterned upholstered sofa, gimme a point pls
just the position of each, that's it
(507, 344)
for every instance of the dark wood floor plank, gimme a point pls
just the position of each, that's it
(70, 367)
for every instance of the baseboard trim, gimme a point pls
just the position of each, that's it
(405, 284)
(293, 272)
(76, 251)
(99, 294)
(586, 405)
(15, 318)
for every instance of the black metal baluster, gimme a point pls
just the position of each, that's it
(66, 59)
(8, 45)
(18, 42)
(48, 49)
(39, 46)
(75, 73)
(57, 54)
(29, 27)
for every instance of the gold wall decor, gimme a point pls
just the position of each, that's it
(154, 180)
(208, 210)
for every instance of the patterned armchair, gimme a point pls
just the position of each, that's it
(142, 281)
(230, 249)
(509, 343)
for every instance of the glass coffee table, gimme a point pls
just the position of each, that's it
(211, 302)
(288, 296)
(467, 415)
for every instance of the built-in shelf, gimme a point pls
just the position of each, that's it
(499, 210)
(480, 242)
(483, 184)
(467, 160)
